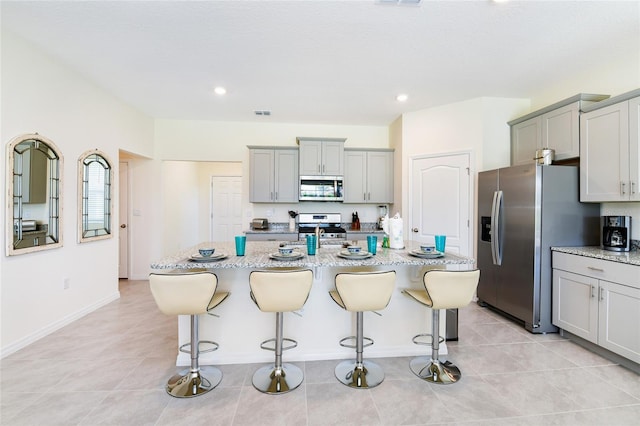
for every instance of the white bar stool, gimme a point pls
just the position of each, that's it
(359, 292)
(189, 294)
(279, 291)
(443, 290)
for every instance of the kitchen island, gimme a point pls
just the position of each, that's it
(241, 326)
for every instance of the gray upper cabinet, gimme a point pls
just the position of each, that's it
(273, 175)
(321, 156)
(368, 176)
(556, 126)
(609, 150)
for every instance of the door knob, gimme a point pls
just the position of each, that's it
(414, 230)
(124, 225)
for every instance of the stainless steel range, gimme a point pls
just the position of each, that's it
(329, 224)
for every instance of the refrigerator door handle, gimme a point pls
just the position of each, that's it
(496, 248)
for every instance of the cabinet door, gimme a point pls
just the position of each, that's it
(379, 177)
(526, 137)
(619, 328)
(575, 304)
(286, 176)
(261, 188)
(333, 158)
(561, 131)
(310, 158)
(634, 149)
(355, 176)
(604, 154)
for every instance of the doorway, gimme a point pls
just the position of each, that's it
(123, 215)
(441, 200)
(226, 207)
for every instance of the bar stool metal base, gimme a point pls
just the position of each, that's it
(434, 371)
(360, 376)
(274, 381)
(188, 383)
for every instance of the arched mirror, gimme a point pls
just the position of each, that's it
(34, 179)
(95, 177)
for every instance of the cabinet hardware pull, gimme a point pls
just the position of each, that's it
(601, 293)
(364, 196)
(323, 168)
(276, 195)
(595, 269)
(593, 293)
(369, 196)
(415, 230)
(633, 184)
(622, 185)
(271, 197)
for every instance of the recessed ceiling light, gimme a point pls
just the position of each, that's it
(402, 97)
(220, 90)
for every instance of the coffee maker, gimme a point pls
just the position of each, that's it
(616, 233)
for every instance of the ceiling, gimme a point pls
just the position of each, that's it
(324, 62)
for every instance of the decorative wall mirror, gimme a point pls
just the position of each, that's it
(95, 178)
(34, 207)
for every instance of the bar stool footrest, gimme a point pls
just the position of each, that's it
(186, 348)
(367, 342)
(417, 337)
(292, 345)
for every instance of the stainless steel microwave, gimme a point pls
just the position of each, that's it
(321, 188)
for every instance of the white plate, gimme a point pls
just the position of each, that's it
(362, 255)
(214, 257)
(420, 253)
(293, 256)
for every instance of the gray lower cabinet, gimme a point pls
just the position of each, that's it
(273, 175)
(368, 176)
(599, 301)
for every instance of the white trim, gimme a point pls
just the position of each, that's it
(50, 328)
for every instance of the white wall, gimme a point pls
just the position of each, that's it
(40, 95)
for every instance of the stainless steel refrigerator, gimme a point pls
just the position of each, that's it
(524, 211)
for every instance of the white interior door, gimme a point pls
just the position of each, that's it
(226, 207)
(440, 201)
(123, 228)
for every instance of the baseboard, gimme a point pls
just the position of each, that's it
(45, 331)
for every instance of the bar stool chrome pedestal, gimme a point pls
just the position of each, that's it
(443, 290)
(359, 292)
(189, 294)
(279, 292)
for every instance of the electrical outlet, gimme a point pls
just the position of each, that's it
(67, 283)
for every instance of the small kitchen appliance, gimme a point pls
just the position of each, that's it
(382, 213)
(260, 223)
(616, 233)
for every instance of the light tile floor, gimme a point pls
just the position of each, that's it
(110, 368)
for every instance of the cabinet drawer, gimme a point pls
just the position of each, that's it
(601, 269)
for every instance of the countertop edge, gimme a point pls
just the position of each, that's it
(629, 257)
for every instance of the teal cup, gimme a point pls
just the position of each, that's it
(440, 242)
(241, 243)
(311, 245)
(372, 243)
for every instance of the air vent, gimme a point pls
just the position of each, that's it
(262, 112)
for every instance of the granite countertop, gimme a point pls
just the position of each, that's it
(283, 228)
(257, 256)
(630, 257)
